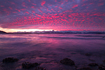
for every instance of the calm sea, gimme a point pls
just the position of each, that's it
(49, 49)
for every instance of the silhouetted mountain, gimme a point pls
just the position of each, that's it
(2, 32)
(61, 32)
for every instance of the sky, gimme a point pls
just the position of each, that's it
(74, 15)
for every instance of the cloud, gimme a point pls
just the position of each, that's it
(70, 13)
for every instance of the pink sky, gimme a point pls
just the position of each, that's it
(76, 15)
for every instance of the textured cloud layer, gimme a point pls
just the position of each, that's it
(53, 14)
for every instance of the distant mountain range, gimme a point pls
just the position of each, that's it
(62, 32)
(56, 32)
(2, 32)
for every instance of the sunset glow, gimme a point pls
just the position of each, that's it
(23, 30)
(32, 15)
(52, 34)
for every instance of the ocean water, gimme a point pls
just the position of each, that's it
(49, 49)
